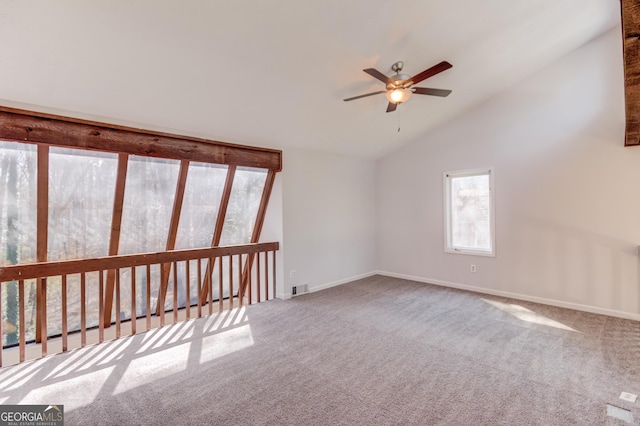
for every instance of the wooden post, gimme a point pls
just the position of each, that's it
(173, 231)
(42, 224)
(114, 240)
(217, 231)
(257, 229)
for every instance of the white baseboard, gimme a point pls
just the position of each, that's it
(318, 287)
(542, 300)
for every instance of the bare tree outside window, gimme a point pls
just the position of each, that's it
(17, 231)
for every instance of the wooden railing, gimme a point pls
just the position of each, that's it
(71, 299)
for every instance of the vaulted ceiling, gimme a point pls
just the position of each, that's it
(275, 73)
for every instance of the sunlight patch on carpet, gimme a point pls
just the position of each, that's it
(156, 365)
(527, 315)
(78, 391)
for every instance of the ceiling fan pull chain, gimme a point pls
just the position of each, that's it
(398, 115)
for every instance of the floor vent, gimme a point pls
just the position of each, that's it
(619, 413)
(297, 290)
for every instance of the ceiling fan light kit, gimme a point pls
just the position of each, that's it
(399, 87)
(398, 96)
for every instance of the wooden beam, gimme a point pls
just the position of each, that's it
(114, 239)
(173, 229)
(631, 49)
(257, 229)
(217, 231)
(28, 126)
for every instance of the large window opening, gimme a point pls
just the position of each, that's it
(81, 190)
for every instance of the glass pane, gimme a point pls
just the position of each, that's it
(18, 165)
(243, 206)
(148, 203)
(470, 212)
(202, 194)
(203, 191)
(81, 191)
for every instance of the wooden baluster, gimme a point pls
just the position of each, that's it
(175, 292)
(83, 309)
(240, 296)
(220, 290)
(43, 313)
(134, 313)
(187, 283)
(230, 281)
(148, 297)
(117, 303)
(160, 308)
(211, 286)
(101, 306)
(199, 288)
(22, 322)
(266, 275)
(64, 313)
(274, 273)
(247, 266)
(258, 276)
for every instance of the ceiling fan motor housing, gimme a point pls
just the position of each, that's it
(398, 81)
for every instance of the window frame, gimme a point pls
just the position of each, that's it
(449, 247)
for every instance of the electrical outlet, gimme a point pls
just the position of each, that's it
(472, 268)
(292, 273)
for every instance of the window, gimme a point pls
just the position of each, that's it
(243, 206)
(81, 188)
(127, 191)
(469, 212)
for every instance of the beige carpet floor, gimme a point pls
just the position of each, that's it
(375, 351)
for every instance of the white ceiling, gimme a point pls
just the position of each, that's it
(274, 73)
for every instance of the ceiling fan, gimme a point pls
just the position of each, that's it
(400, 86)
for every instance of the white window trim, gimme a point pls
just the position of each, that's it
(448, 247)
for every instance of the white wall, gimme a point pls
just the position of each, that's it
(329, 218)
(567, 197)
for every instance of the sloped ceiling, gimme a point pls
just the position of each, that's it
(274, 73)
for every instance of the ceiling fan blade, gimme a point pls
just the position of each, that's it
(391, 107)
(436, 69)
(433, 92)
(377, 74)
(364, 96)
